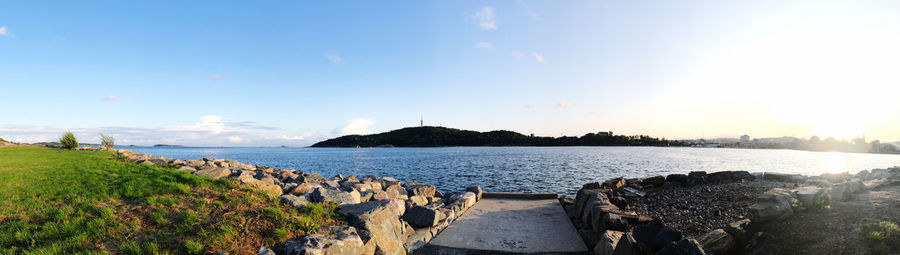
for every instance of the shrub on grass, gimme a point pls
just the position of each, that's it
(193, 248)
(882, 237)
(68, 141)
(107, 141)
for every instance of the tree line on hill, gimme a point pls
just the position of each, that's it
(442, 137)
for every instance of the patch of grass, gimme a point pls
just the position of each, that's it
(882, 237)
(56, 201)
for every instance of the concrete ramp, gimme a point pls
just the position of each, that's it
(506, 224)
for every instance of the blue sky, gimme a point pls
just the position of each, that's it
(293, 73)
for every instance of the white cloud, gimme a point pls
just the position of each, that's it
(211, 130)
(563, 104)
(291, 138)
(333, 57)
(485, 18)
(517, 54)
(111, 98)
(219, 76)
(357, 127)
(484, 45)
(538, 57)
(237, 139)
(209, 123)
(4, 31)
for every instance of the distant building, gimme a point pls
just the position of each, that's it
(605, 133)
(745, 139)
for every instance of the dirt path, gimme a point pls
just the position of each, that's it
(834, 231)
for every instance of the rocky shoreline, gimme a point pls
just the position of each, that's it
(700, 213)
(385, 215)
(697, 213)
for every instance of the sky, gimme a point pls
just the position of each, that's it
(270, 73)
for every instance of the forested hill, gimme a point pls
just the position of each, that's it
(441, 137)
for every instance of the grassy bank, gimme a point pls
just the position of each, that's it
(56, 201)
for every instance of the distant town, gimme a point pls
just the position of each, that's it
(813, 143)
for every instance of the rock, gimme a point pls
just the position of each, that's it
(719, 177)
(683, 247)
(421, 190)
(607, 218)
(696, 178)
(331, 184)
(265, 251)
(655, 234)
(582, 197)
(591, 185)
(741, 176)
(397, 206)
(468, 199)
(418, 239)
(665, 236)
(310, 178)
(266, 184)
(679, 179)
(738, 230)
(626, 245)
(607, 243)
(596, 199)
(396, 191)
(340, 240)
(571, 211)
(774, 205)
(380, 223)
(365, 196)
(717, 241)
(305, 188)
(655, 181)
(808, 195)
(420, 216)
(335, 195)
(418, 200)
(619, 201)
(615, 183)
(477, 190)
(187, 168)
(215, 172)
(295, 201)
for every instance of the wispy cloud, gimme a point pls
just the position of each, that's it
(111, 98)
(484, 45)
(4, 31)
(528, 106)
(517, 54)
(219, 77)
(485, 18)
(538, 57)
(333, 57)
(210, 130)
(563, 104)
(357, 127)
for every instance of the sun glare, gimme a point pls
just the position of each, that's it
(833, 162)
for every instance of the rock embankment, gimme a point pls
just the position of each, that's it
(385, 215)
(699, 213)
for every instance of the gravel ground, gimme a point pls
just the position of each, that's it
(697, 210)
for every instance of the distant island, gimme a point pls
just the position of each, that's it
(429, 136)
(167, 145)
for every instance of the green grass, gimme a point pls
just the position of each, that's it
(882, 237)
(55, 201)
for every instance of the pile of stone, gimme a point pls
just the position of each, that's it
(600, 213)
(386, 216)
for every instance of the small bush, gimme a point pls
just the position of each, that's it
(882, 237)
(193, 248)
(68, 141)
(107, 141)
(129, 248)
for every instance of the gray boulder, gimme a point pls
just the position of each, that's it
(717, 241)
(475, 189)
(380, 223)
(335, 195)
(420, 216)
(607, 243)
(214, 172)
(295, 201)
(808, 195)
(774, 205)
(339, 240)
(421, 190)
(683, 247)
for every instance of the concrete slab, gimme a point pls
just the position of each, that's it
(510, 226)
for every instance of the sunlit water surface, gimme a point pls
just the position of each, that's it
(532, 169)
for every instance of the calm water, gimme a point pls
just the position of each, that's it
(532, 169)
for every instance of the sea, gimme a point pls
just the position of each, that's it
(559, 170)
